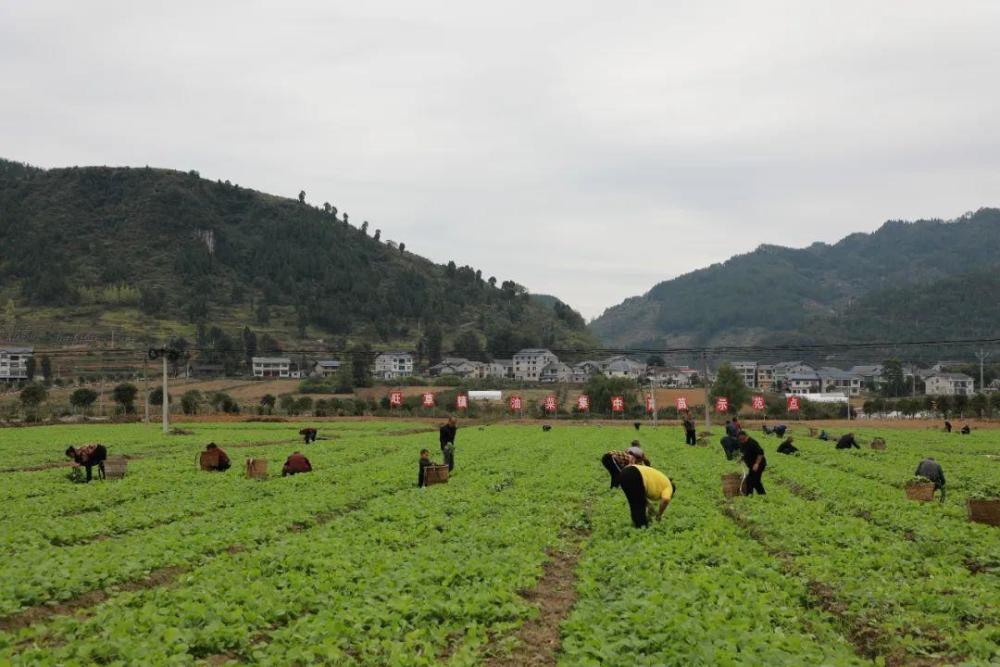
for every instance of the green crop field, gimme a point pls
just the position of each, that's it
(524, 557)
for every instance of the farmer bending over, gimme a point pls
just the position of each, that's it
(779, 430)
(966, 430)
(642, 487)
(616, 461)
(217, 459)
(931, 470)
(308, 434)
(89, 456)
(847, 441)
(295, 464)
(753, 459)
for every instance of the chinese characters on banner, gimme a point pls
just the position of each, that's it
(428, 400)
(722, 404)
(682, 403)
(757, 402)
(515, 403)
(550, 403)
(583, 403)
(793, 403)
(617, 404)
(462, 402)
(649, 403)
(395, 399)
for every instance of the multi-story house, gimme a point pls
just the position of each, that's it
(949, 384)
(748, 371)
(14, 363)
(271, 367)
(529, 362)
(834, 380)
(392, 365)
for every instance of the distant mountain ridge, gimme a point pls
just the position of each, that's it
(903, 279)
(156, 252)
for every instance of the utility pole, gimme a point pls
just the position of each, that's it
(982, 355)
(166, 398)
(145, 382)
(708, 418)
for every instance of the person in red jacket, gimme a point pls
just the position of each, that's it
(295, 464)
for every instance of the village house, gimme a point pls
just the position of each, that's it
(834, 380)
(672, 376)
(584, 370)
(498, 368)
(783, 369)
(765, 377)
(949, 384)
(393, 365)
(803, 382)
(623, 367)
(747, 370)
(271, 367)
(528, 363)
(14, 363)
(456, 366)
(325, 368)
(557, 371)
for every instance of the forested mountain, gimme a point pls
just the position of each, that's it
(905, 280)
(155, 251)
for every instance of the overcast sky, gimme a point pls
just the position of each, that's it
(583, 149)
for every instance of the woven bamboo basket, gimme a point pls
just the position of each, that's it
(257, 468)
(115, 468)
(878, 443)
(920, 491)
(984, 510)
(209, 459)
(435, 475)
(813, 432)
(731, 484)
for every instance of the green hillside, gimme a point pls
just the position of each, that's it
(907, 279)
(153, 253)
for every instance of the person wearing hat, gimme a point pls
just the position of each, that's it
(643, 486)
(753, 459)
(616, 461)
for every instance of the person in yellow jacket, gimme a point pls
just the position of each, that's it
(643, 486)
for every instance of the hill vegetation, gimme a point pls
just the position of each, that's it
(157, 253)
(904, 280)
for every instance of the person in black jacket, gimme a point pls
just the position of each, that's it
(932, 471)
(753, 459)
(690, 435)
(786, 446)
(447, 437)
(847, 441)
(947, 426)
(966, 430)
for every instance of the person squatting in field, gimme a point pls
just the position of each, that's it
(446, 435)
(786, 446)
(642, 486)
(295, 464)
(847, 441)
(425, 462)
(615, 461)
(753, 459)
(690, 436)
(308, 434)
(89, 456)
(932, 471)
(215, 458)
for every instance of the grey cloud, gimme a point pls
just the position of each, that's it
(584, 149)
